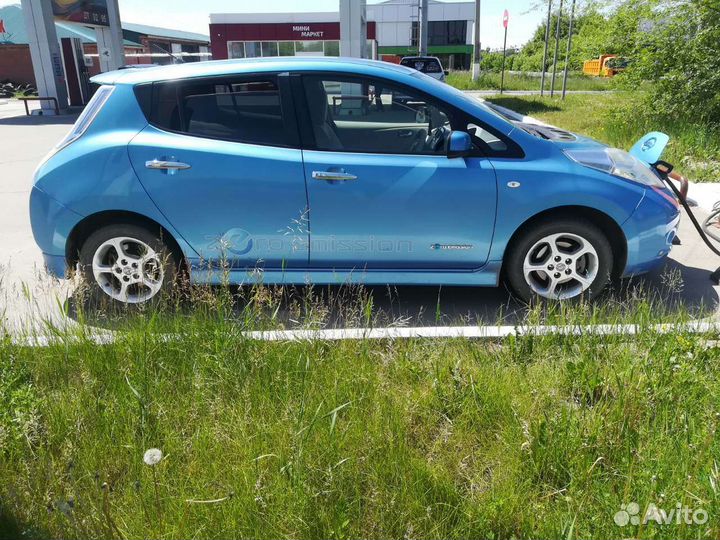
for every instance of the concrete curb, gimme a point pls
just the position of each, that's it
(105, 337)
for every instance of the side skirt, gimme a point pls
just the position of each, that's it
(487, 276)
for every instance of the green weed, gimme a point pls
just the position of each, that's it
(528, 437)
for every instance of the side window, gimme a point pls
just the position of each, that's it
(486, 140)
(369, 115)
(232, 109)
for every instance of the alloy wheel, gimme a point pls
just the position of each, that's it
(128, 270)
(560, 266)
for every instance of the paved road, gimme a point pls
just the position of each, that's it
(27, 294)
(25, 140)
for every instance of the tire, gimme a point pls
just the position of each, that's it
(144, 272)
(558, 260)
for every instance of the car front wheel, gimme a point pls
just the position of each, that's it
(559, 259)
(127, 263)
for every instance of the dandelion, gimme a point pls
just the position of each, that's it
(152, 456)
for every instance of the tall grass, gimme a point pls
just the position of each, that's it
(619, 119)
(514, 81)
(533, 436)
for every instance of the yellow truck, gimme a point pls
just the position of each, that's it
(603, 66)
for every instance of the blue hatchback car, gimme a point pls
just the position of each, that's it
(330, 171)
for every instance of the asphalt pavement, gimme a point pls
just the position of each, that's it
(28, 297)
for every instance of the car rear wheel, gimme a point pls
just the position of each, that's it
(559, 259)
(127, 264)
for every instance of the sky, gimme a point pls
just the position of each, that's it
(193, 15)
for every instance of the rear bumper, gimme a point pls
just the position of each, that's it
(56, 265)
(51, 224)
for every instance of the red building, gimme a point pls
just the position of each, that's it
(78, 46)
(244, 35)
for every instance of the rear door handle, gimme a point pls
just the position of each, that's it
(333, 175)
(166, 165)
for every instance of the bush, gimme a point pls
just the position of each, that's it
(10, 89)
(680, 56)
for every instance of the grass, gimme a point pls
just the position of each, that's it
(514, 81)
(530, 437)
(621, 118)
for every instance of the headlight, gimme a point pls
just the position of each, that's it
(616, 162)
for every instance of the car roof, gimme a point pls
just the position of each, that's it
(128, 75)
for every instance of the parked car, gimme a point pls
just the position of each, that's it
(429, 65)
(290, 170)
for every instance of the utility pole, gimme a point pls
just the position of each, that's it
(506, 17)
(569, 47)
(557, 50)
(423, 29)
(109, 39)
(547, 39)
(476, 43)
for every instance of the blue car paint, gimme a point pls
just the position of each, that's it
(102, 171)
(241, 192)
(403, 212)
(650, 147)
(90, 176)
(650, 233)
(51, 233)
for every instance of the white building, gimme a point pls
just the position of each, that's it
(450, 29)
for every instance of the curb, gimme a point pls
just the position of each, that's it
(105, 337)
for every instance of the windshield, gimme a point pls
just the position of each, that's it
(459, 94)
(423, 65)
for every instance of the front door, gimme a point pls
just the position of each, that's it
(220, 162)
(382, 193)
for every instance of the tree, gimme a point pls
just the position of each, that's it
(588, 22)
(677, 48)
(673, 49)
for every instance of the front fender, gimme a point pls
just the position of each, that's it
(555, 182)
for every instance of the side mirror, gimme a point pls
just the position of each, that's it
(459, 144)
(446, 72)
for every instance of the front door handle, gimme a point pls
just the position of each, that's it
(166, 165)
(333, 175)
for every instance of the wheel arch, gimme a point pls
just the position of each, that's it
(608, 226)
(89, 224)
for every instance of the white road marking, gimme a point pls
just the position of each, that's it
(105, 337)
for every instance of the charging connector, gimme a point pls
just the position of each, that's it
(664, 169)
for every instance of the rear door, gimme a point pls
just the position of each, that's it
(221, 161)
